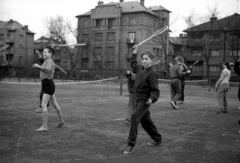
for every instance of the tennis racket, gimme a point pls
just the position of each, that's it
(160, 31)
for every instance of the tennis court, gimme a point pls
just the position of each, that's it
(95, 130)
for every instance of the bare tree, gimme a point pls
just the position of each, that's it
(60, 29)
(197, 38)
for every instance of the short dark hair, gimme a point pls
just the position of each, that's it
(150, 54)
(227, 64)
(50, 49)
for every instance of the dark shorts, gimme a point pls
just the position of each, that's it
(48, 86)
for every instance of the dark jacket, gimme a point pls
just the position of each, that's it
(131, 80)
(146, 82)
(237, 68)
(41, 60)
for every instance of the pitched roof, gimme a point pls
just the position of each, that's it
(127, 7)
(231, 22)
(161, 8)
(12, 25)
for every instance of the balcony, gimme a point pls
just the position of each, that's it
(9, 42)
(131, 41)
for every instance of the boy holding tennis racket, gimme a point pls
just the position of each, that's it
(48, 87)
(146, 93)
(176, 73)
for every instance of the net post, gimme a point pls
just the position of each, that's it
(209, 86)
(121, 84)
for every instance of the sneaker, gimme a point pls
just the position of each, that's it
(224, 111)
(173, 105)
(39, 110)
(180, 102)
(154, 143)
(129, 150)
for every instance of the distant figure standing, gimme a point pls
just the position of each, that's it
(131, 101)
(222, 87)
(48, 87)
(237, 71)
(176, 72)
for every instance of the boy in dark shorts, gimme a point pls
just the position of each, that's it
(48, 87)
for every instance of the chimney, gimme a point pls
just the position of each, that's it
(100, 3)
(26, 27)
(213, 21)
(121, 1)
(142, 2)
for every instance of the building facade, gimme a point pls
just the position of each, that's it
(17, 58)
(111, 30)
(212, 43)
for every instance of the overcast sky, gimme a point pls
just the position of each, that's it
(34, 12)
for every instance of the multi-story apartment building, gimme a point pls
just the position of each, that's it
(111, 30)
(19, 53)
(212, 43)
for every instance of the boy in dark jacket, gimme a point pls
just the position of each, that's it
(146, 93)
(131, 102)
(237, 71)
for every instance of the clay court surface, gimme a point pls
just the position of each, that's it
(95, 130)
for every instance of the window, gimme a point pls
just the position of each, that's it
(235, 53)
(157, 52)
(196, 54)
(214, 68)
(85, 24)
(111, 23)
(84, 63)
(1, 36)
(98, 36)
(110, 36)
(109, 65)
(214, 37)
(98, 53)
(132, 21)
(197, 68)
(215, 53)
(99, 23)
(98, 50)
(84, 52)
(97, 76)
(132, 35)
(110, 50)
